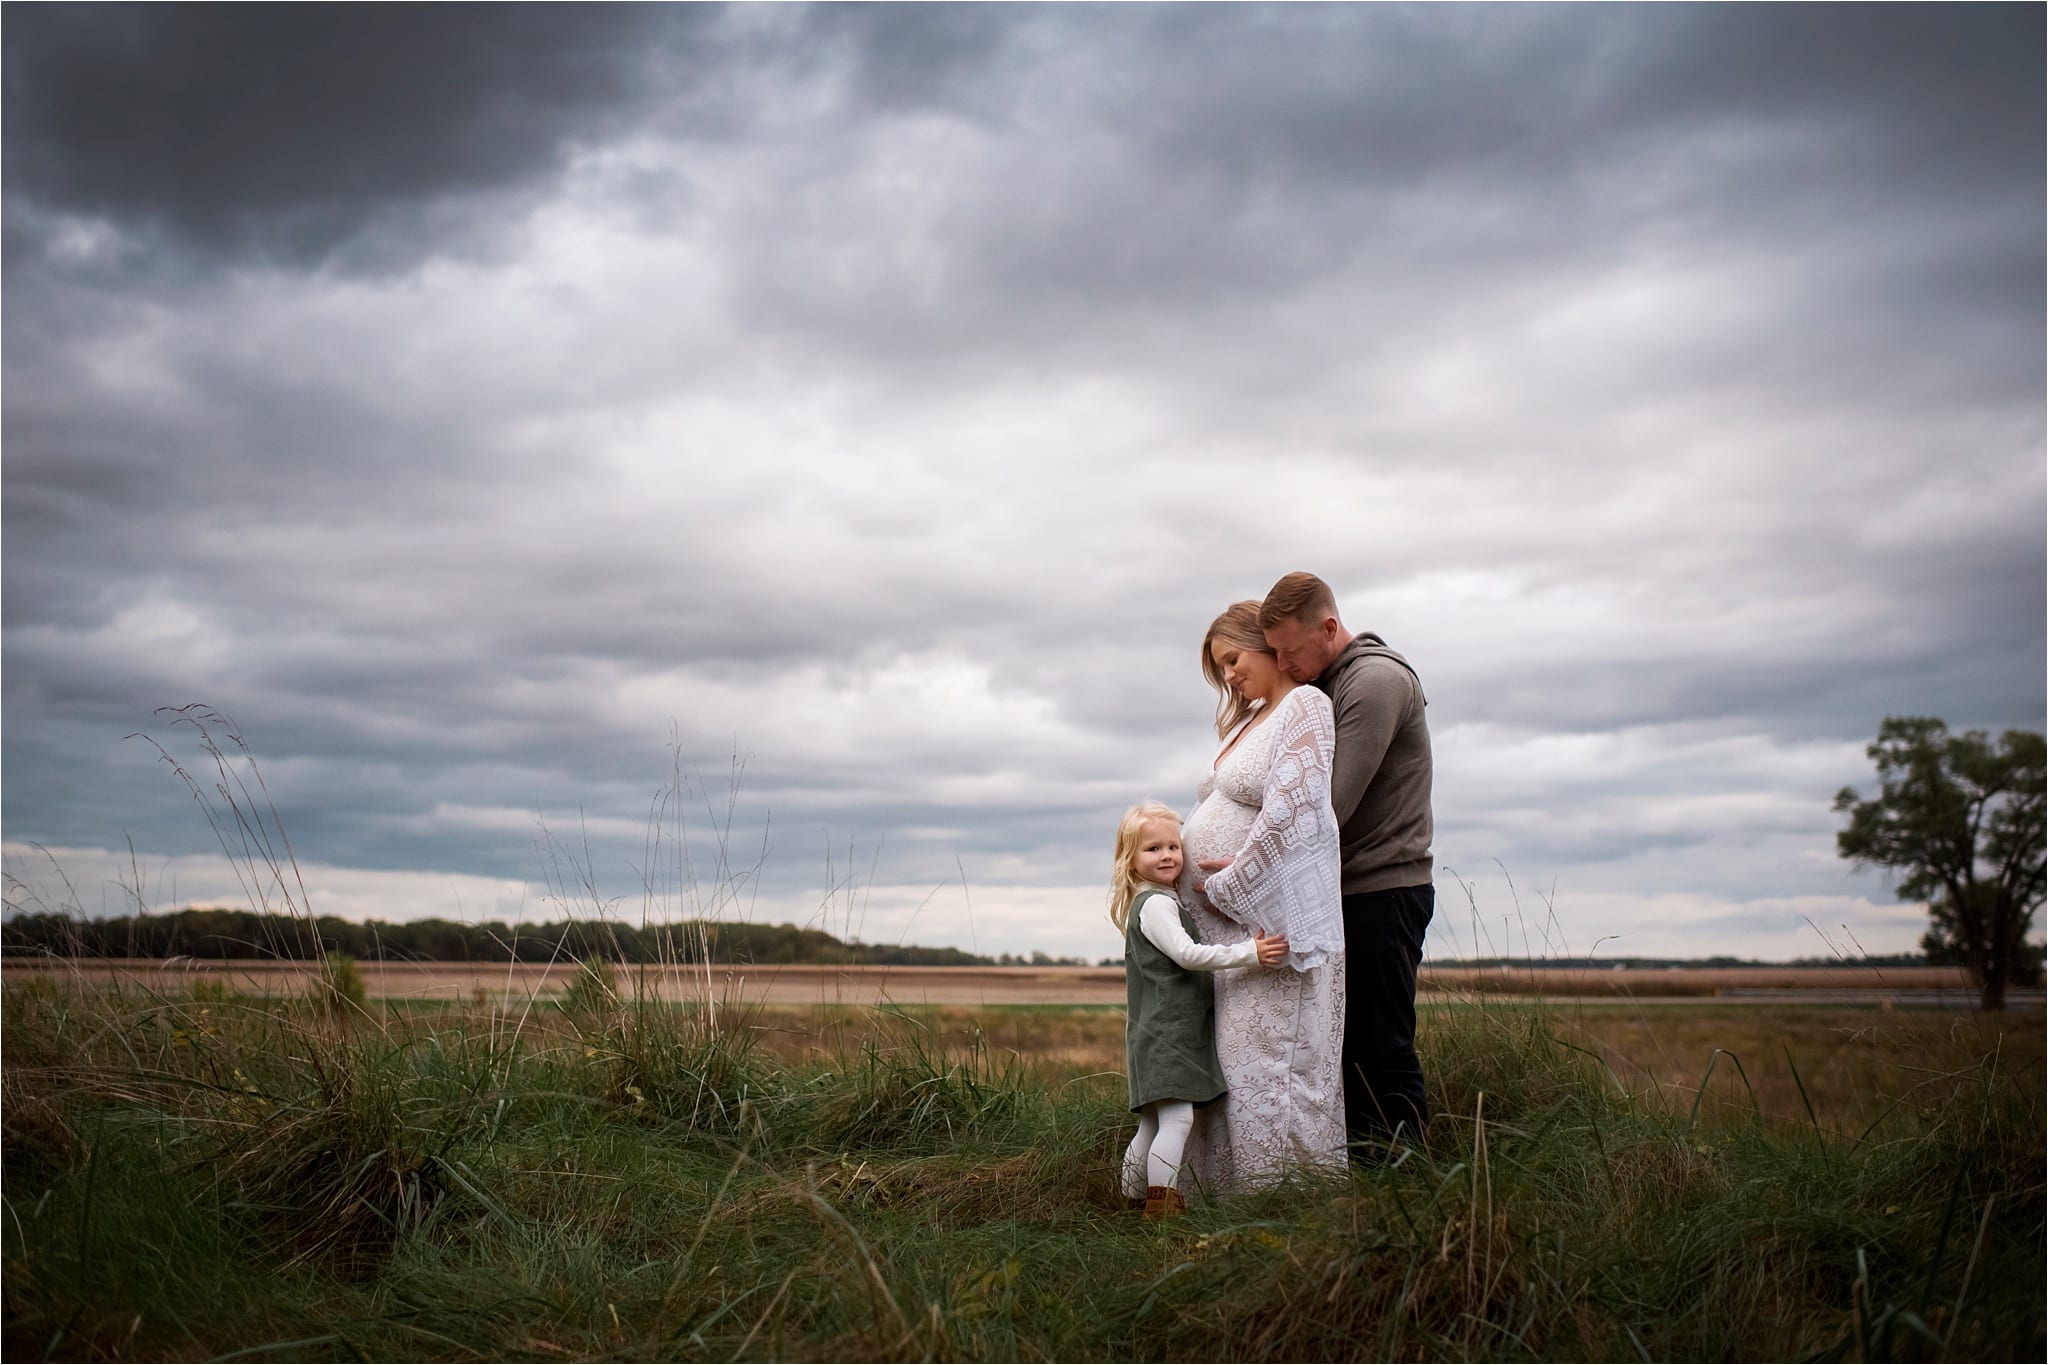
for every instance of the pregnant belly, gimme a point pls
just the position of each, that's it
(1218, 828)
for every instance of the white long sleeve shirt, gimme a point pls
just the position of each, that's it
(1159, 921)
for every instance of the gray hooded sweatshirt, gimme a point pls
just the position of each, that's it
(1379, 785)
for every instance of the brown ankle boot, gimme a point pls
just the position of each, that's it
(1163, 1201)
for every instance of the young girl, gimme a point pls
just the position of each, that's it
(1170, 1041)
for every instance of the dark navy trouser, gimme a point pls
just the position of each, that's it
(1382, 1076)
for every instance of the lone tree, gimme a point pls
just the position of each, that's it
(1962, 821)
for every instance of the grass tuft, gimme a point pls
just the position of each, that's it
(338, 992)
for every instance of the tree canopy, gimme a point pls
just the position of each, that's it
(242, 934)
(1961, 820)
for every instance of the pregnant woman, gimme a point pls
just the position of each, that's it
(1263, 820)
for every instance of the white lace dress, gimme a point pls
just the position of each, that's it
(1279, 1032)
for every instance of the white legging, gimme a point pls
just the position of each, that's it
(1153, 1158)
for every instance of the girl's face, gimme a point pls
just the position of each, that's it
(1251, 673)
(1159, 851)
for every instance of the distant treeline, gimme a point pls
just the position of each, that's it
(242, 934)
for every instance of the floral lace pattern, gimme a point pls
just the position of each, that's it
(1279, 1033)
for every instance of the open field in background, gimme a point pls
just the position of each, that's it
(1841, 1066)
(194, 1173)
(804, 983)
(1639, 982)
(1854, 1062)
(765, 983)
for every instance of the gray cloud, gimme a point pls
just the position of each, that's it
(892, 394)
(286, 131)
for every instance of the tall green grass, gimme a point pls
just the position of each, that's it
(611, 1177)
(201, 1178)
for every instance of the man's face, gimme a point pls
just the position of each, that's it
(1304, 649)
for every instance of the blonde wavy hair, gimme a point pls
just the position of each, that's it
(1124, 881)
(1238, 626)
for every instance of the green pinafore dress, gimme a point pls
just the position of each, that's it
(1170, 1039)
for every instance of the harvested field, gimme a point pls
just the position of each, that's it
(1587, 982)
(813, 984)
(768, 984)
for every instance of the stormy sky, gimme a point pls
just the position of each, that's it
(850, 417)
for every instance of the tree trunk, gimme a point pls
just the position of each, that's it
(1991, 982)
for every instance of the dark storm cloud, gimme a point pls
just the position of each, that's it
(1947, 96)
(1522, 95)
(286, 129)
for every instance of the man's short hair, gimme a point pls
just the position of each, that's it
(1298, 597)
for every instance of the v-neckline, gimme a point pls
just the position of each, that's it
(1256, 719)
(1252, 722)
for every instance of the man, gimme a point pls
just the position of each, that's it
(1379, 789)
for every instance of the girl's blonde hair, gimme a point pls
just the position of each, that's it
(1124, 881)
(1237, 626)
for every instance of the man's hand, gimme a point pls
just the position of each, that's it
(1272, 949)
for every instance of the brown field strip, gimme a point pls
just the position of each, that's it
(770, 983)
(1687, 981)
(807, 983)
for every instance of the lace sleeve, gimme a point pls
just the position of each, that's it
(1285, 879)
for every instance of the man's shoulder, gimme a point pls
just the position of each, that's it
(1374, 671)
(1377, 660)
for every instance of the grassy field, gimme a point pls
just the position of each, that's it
(200, 1176)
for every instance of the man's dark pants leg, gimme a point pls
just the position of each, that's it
(1382, 1076)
